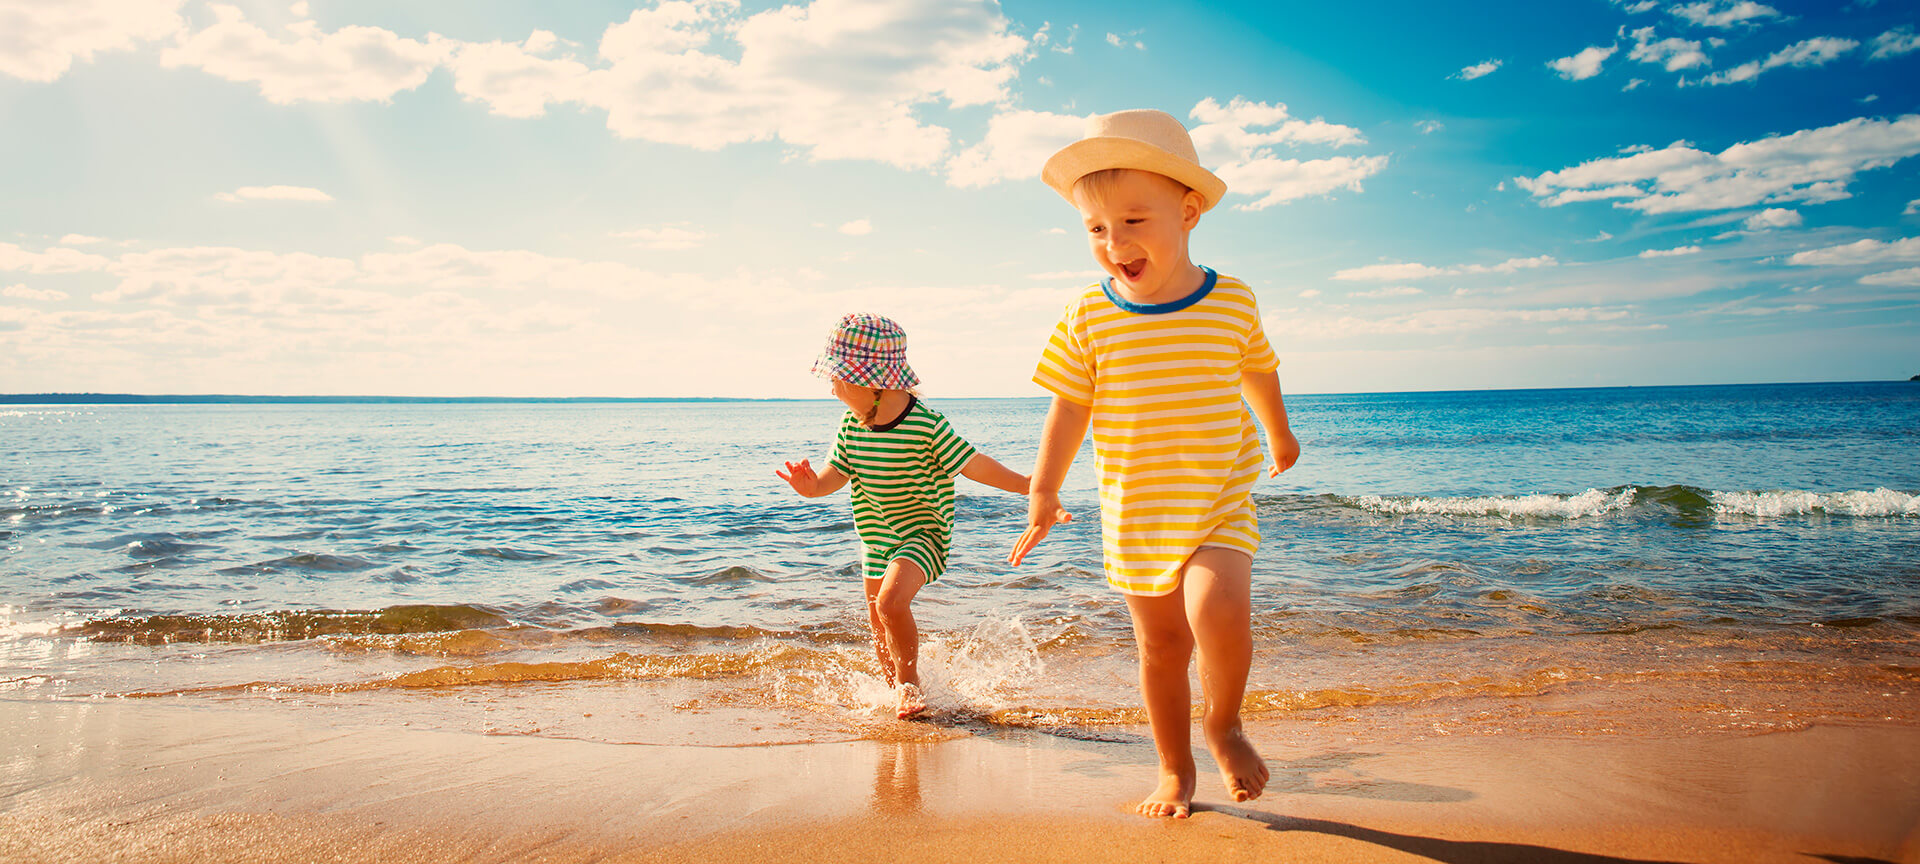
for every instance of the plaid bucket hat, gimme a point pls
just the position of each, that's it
(867, 351)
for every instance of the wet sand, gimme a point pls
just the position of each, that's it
(121, 780)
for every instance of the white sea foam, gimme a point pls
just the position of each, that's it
(984, 667)
(1879, 502)
(1592, 502)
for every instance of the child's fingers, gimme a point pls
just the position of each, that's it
(1026, 543)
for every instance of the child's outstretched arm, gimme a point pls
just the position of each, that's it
(1060, 439)
(1262, 390)
(804, 481)
(986, 470)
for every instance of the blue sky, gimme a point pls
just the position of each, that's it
(679, 198)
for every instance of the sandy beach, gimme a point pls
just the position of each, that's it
(135, 780)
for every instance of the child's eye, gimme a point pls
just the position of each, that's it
(1095, 230)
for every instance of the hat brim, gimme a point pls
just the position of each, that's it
(1088, 155)
(883, 375)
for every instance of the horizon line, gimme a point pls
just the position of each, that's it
(90, 398)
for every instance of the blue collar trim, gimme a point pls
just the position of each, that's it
(1206, 287)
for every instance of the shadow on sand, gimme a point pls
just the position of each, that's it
(1449, 851)
(1462, 851)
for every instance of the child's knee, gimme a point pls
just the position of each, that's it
(903, 580)
(1164, 644)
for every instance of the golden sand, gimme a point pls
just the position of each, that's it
(159, 781)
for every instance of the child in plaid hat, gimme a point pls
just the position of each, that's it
(901, 457)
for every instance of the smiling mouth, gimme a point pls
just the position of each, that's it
(1132, 269)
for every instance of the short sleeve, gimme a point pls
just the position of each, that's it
(947, 451)
(1064, 365)
(838, 461)
(1259, 356)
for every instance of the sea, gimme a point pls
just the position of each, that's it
(1660, 560)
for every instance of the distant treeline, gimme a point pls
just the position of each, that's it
(217, 399)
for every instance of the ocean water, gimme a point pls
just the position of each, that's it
(1576, 561)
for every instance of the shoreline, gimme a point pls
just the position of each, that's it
(150, 781)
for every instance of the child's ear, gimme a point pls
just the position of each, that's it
(1190, 207)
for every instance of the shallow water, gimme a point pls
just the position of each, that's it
(635, 572)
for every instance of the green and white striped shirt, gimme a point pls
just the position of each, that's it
(902, 477)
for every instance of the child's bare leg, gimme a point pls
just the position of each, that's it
(1218, 588)
(894, 606)
(1165, 644)
(878, 629)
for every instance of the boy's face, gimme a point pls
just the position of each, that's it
(1137, 228)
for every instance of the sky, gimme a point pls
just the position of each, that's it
(479, 198)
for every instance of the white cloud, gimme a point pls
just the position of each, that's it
(1407, 271)
(664, 238)
(1635, 7)
(837, 79)
(513, 79)
(1907, 278)
(1583, 65)
(22, 292)
(840, 79)
(1281, 180)
(444, 319)
(1673, 53)
(1043, 38)
(1817, 51)
(1226, 132)
(1389, 291)
(1017, 143)
(1130, 40)
(1389, 272)
(40, 39)
(1477, 70)
(1724, 13)
(80, 240)
(1859, 252)
(1633, 84)
(857, 228)
(1811, 165)
(54, 260)
(1913, 208)
(204, 276)
(1895, 42)
(1670, 253)
(1434, 321)
(350, 64)
(1773, 217)
(1230, 137)
(1428, 127)
(273, 193)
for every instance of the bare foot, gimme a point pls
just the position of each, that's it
(1241, 767)
(911, 701)
(1172, 800)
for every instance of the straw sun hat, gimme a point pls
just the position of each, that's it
(867, 351)
(1145, 140)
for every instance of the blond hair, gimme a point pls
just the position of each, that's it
(1099, 184)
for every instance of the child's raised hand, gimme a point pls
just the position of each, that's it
(1043, 512)
(800, 477)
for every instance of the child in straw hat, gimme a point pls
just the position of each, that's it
(901, 457)
(1156, 360)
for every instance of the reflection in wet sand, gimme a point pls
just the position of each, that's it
(896, 779)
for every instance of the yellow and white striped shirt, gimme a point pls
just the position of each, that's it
(1176, 449)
